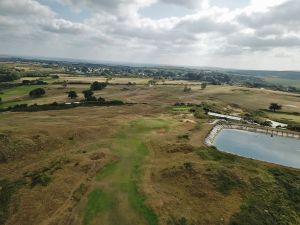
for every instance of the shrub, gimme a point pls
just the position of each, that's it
(72, 94)
(213, 154)
(188, 166)
(37, 93)
(101, 100)
(88, 94)
(34, 82)
(226, 181)
(39, 179)
(181, 221)
(97, 86)
(55, 77)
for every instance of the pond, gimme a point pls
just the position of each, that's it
(279, 150)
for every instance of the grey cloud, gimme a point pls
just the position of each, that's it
(270, 31)
(24, 8)
(284, 14)
(257, 43)
(192, 4)
(117, 7)
(205, 25)
(63, 26)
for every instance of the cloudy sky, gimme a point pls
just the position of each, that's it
(250, 34)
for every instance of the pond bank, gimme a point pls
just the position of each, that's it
(275, 132)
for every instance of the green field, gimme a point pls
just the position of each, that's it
(284, 82)
(17, 95)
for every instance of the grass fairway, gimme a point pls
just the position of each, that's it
(17, 95)
(18, 91)
(120, 200)
(97, 202)
(284, 117)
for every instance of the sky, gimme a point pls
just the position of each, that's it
(242, 34)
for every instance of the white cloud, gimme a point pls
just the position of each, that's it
(116, 31)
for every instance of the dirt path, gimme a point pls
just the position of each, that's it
(116, 198)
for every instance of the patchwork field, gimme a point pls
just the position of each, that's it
(143, 164)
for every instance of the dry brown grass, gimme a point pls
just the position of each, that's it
(33, 141)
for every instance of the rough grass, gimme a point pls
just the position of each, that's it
(226, 181)
(213, 154)
(180, 109)
(283, 117)
(270, 195)
(7, 189)
(268, 203)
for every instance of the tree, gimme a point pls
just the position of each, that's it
(187, 89)
(88, 95)
(0, 100)
(97, 86)
(203, 85)
(274, 106)
(55, 76)
(36, 93)
(72, 94)
(26, 82)
(151, 82)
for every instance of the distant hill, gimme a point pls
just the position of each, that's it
(293, 75)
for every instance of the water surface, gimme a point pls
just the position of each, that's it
(279, 150)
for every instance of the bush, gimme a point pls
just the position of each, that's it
(199, 113)
(34, 82)
(181, 221)
(88, 94)
(226, 181)
(72, 94)
(213, 154)
(101, 100)
(294, 127)
(97, 86)
(55, 77)
(39, 179)
(37, 93)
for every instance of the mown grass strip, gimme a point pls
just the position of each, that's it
(107, 170)
(98, 202)
(136, 199)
